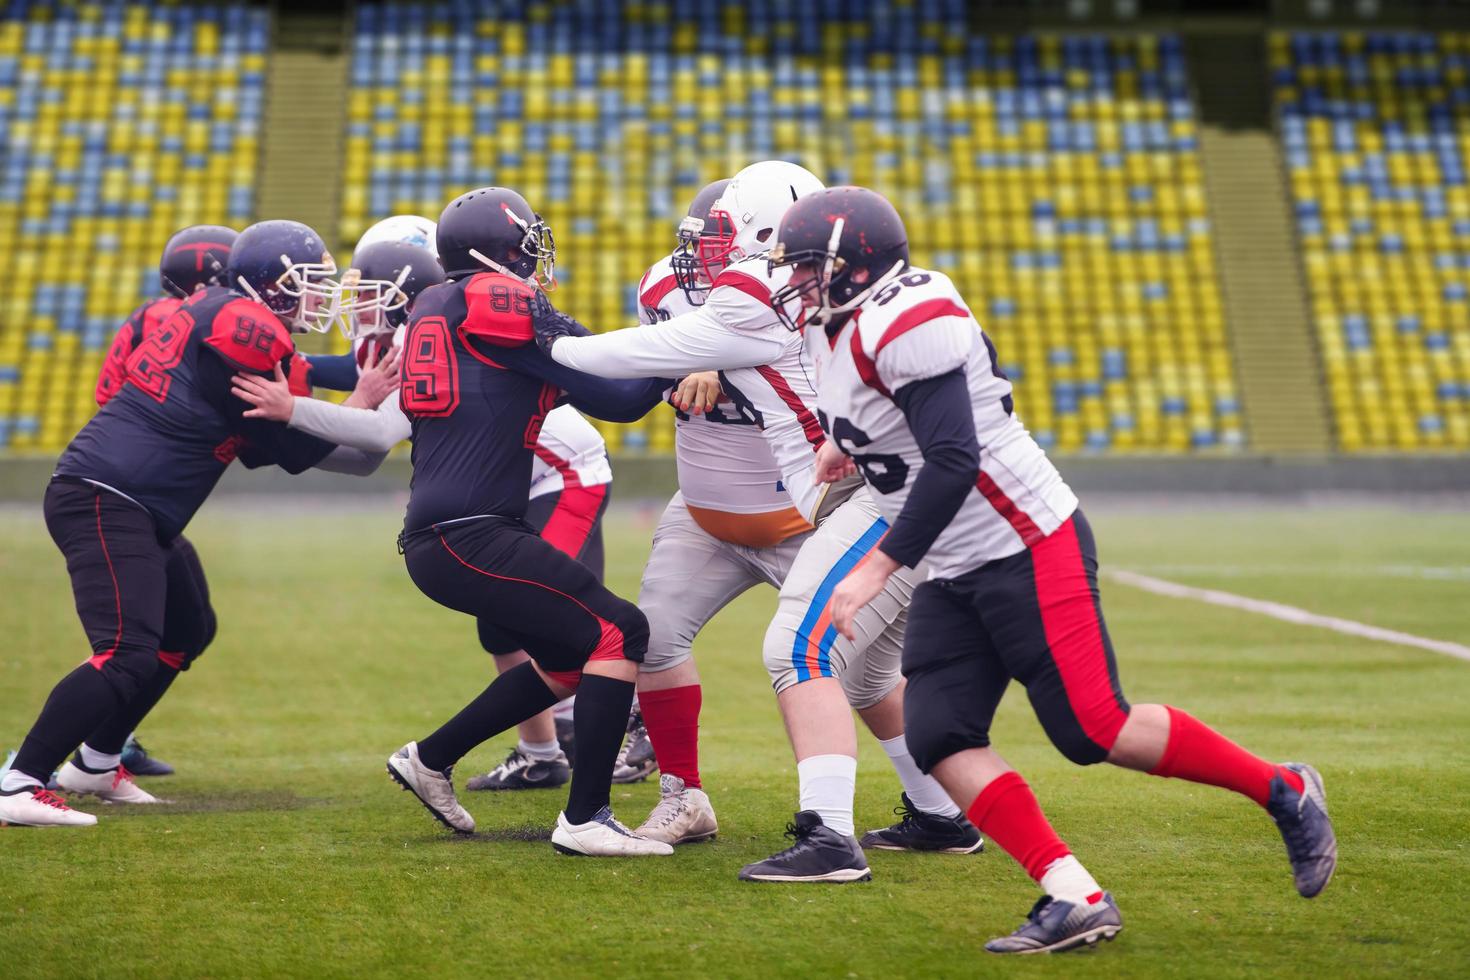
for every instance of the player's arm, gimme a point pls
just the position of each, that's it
(612, 400)
(335, 372)
(700, 340)
(938, 413)
(370, 420)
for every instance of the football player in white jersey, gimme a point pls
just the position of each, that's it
(816, 673)
(910, 389)
(570, 477)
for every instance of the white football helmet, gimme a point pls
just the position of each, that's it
(744, 220)
(407, 229)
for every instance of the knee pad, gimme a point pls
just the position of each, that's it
(670, 642)
(776, 653)
(127, 668)
(631, 640)
(1074, 743)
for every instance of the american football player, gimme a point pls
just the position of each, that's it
(911, 392)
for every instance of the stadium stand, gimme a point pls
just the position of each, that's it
(1376, 132)
(123, 122)
(1057, 177)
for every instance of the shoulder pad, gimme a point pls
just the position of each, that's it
(498, 309)
(249, 336)
(657, 283)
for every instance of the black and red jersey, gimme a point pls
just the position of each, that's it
(134, 329)
(477, 388)
(165, 437)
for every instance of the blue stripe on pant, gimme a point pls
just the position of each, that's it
(802, 645)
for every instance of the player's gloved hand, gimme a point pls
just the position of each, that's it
(272, 399)
(697, 393)
(376, 383)
(550, 324)
(833, 464)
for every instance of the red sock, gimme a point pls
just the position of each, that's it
(672, 719)
(1006, 811)
(1200, 754)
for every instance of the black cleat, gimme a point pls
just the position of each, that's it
(1054, 926)
(635, 761)
(136, 760)
(1311, 844)
(566, 737)
(520, 771)
(920, 831)
(819, 854)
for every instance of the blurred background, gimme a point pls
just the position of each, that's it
(1220, 246)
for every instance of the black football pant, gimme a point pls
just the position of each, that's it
(133, 593)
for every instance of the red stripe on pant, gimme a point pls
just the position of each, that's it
(98, 659)
(574, 517)
(1074, 634)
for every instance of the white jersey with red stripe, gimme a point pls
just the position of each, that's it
(569, 451)
(763, 366)
(722, 457)
(918, 327)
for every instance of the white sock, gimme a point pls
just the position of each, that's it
(924, 791)
(15, 780)
(545, 751)
(1067, 880)
(827, 786)
(99, 761)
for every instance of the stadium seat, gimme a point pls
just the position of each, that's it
(1056, 177)
(123, 122)
(1375, 130)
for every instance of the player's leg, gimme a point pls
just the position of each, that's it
(117, 573)
(799, 655)
(188, 628)
(580, 637)
(956, 679)
(1082, 708)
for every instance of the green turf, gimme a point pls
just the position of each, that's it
(289, 852)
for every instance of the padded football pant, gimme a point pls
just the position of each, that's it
(1034, 617)
(547, 603)
(134, 596)
(571, 521)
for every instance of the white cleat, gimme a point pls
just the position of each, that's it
(434, 789)
(37, 807)
(683, 815)
(111, 786)
(603, 836)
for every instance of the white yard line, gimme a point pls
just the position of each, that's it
(1285, 613)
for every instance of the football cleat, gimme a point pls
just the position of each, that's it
(1311, 843)
(1054, 926)
(109, 785)
(520, 771)
(818, 854)
(37, 807)
(683, 814)
(920, 831)
(603, 836)
(635, 761)
(140, 763)
(434, 789)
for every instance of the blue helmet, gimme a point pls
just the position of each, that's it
(194, 258)
(284, 266)
(494, 228)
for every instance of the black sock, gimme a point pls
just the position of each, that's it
(113, 733)
(599, 720)
(76, 705)
(515, 695)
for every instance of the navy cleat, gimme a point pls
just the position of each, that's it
(520, 771)
(1311, 844)
(136, 760)
(920, 831)
(636, 761)
(818, 854)
(1054, 926)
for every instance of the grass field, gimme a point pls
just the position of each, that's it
(289, 852)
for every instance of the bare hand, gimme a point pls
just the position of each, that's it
(861, 587)
(376, 383)
(833, 464)
(698, 392)
(272, 399)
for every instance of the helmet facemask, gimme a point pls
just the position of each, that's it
(537, 244)
(304, 296)
(366, 304)
(688, 272)
(834, 280)
(716, 244)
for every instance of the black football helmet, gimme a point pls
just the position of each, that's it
(194, 258)
(382, 281)
(494, 228)
(855, 241)
(688, 270)
(284, 266)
